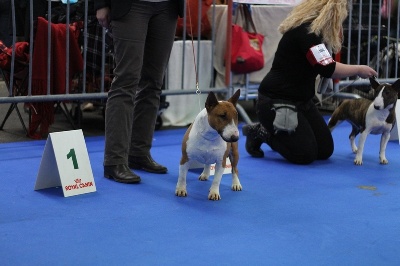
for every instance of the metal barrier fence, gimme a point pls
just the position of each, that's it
(369, 38)
(10, 74)
(47, 42)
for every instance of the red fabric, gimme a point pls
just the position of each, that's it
(21, 56)
(43, 113)
(247, 55)
(192, 17)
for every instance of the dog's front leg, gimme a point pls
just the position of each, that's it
(206, 173)
(234, 158)
(382, 152)
(236, 186)
(361, 142)
(180, 190)
(214, 190)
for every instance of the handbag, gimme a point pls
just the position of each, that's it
(247, 55)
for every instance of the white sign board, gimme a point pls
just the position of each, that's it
(65, 162)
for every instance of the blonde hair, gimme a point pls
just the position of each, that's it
(326, 18)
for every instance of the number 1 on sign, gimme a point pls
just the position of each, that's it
(72, 155)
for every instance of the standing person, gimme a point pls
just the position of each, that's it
(301, 55)
(143, 34)
(5, 25)
(389, 11)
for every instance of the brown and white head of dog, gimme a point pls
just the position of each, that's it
(369, 117)
(210, 139)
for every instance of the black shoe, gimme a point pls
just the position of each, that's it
(253, 141)
(146, 163)
(121, 173)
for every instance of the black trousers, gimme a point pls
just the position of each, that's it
(312, 139)
(143, 41)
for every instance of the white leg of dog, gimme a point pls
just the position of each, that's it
(180, 190)
(382, 152)
(361, 142)
(236, 186)
(353, 144)
(214, 190)
(206, 173)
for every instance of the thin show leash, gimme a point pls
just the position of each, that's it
(335, 93)
(198, 91)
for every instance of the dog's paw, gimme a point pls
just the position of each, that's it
(384, 161)
(358, 162)
(236, 187)
(203, 177)
(214, 195)
(181, 192)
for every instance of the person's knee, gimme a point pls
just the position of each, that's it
(308, 156)
(302, 159)
(325, 151)
(326, 154)
(302, 154)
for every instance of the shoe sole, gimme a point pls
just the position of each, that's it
(136, 167)
(122, 180)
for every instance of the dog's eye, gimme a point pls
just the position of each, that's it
(387, 93)
(222, 116)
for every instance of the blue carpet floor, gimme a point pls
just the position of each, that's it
(327, 213)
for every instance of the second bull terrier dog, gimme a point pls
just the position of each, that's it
(369, 117)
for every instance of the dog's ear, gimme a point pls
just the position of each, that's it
(211, 101)
(235, 97)
(396, 85)
(374, 83)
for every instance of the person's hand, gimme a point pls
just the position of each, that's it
(103, 16)
(366, 72)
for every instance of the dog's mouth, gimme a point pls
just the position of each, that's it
(231, 139)
(382, 107)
